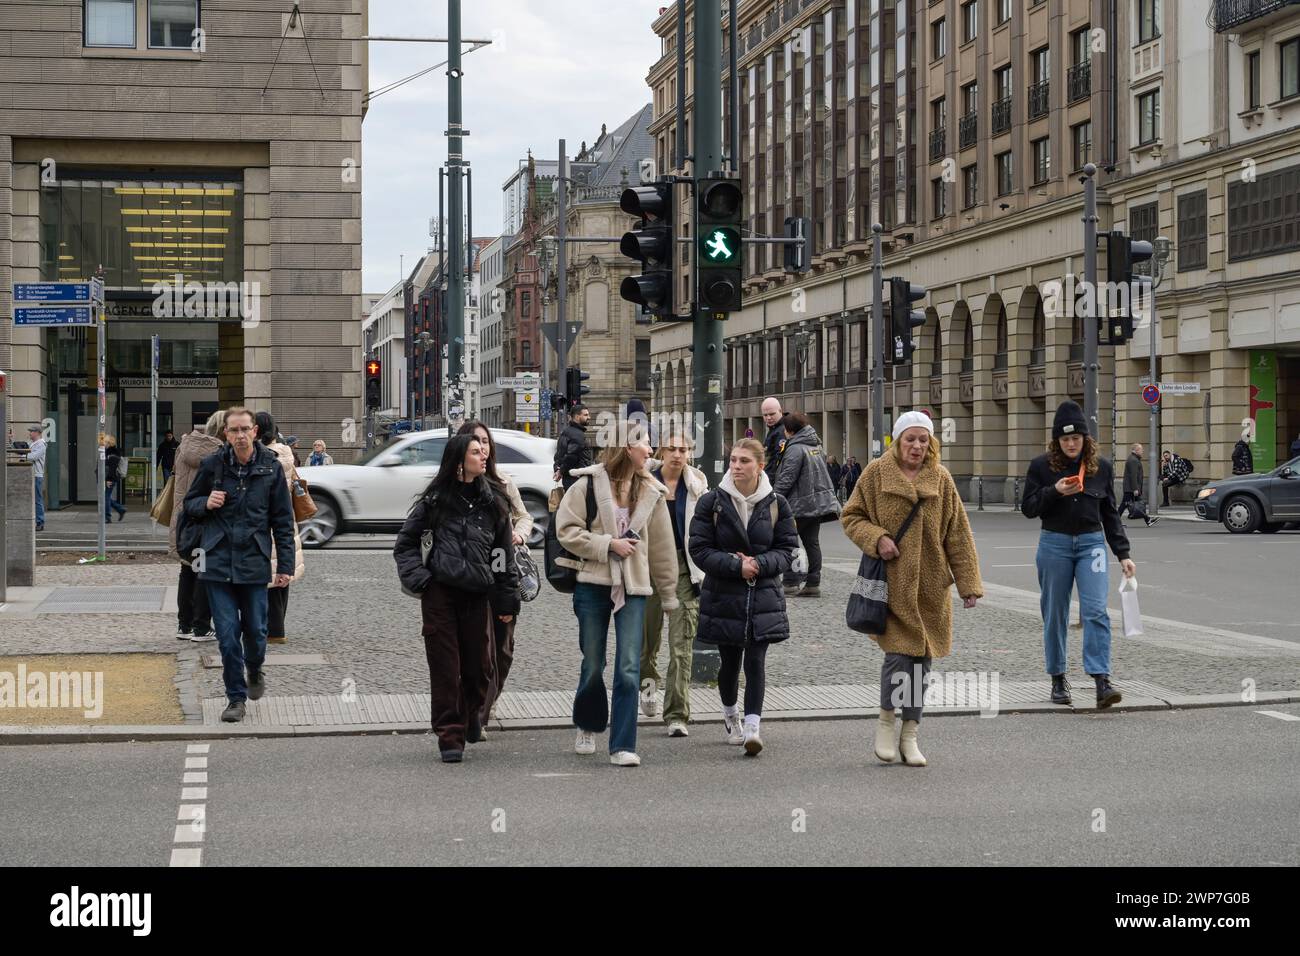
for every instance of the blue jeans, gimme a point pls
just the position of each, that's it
(1063, 562)
(40, 502)
(110, 503)
(239, 616)
(593, 606)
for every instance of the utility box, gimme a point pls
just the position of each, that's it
(20, 524)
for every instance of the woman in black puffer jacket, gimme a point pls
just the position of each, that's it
(470, 576)
(743, 537)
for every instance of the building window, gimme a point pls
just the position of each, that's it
(527, 347)
(1148, 20)
(1081, 143)
(172, 23)
(1005, 180)
(939, 113)
(938, 39)
(1191, 231)
(1041, 64)
(970, 18)
(1148, 117)
(939, 198)
(1289, 55)
(110, 23)
(1042, 149)
(1004, 11)
(1002, 82)
(525, 305)
(970, 186)
(1252, 81)
(970, 98)
(643, 365)
(1081, 45)
(1143, 224)
(1264, 215)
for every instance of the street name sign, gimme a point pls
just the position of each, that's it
(1181, 388)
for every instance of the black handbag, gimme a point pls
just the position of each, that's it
(561, 577)
(189, 530)
(868, 608)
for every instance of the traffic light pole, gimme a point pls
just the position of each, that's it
(456, 226)
(561, 260)
(706, 369)
(1090, 323)
(877, 443)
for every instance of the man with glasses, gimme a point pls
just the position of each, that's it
(242, 499)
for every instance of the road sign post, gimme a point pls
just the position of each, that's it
(156, 343)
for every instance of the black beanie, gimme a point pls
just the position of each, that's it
(1069, 420)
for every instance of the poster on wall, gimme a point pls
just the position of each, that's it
(1263, 409)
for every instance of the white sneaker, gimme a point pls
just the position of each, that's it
(733, 728)
(649, 702)
(678, 729)
(625, 758)
(202, 637)
(585, 744)
(753, 742)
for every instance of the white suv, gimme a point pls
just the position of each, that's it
(375, 493)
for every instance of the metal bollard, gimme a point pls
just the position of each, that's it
(980, 479)
(1015, 495)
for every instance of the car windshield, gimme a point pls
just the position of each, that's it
(374, 453)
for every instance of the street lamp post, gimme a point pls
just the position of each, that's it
(802, 341)
(546, 258)
(423, 340)
(1162, 249)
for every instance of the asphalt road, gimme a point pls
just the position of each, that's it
(1198, 787)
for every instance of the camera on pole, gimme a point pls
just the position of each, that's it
(902, 320)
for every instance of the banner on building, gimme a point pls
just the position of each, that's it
(1263, 408)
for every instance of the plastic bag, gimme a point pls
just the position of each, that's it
(800, 565)
(1128, 605)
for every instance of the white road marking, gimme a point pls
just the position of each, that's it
(194, 793)
(186, 833)
(196, 763)
(193, 816)
(187, 856)
(195, 778)
(1278, 714)
(197, 748)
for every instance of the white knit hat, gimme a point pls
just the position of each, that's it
(912, 420)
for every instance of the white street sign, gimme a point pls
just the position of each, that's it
(520, 381)
(528, 405)
(1180, 388)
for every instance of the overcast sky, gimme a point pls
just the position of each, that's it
(555, 68)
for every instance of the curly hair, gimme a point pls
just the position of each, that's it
(1059, 462)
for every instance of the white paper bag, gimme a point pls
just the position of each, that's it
(1128, 605)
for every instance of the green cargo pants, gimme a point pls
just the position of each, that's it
(682, 624)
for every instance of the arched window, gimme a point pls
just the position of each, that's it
(1000, 356)
(968, 346)
(1038, 353)
(936, 364)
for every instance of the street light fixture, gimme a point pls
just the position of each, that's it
(423, 341)
(802, 342)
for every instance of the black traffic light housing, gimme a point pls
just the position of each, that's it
(374, 383)
(720, 212)
(1115, 327)
(573, 387)
(651, 244)
(798, 255)
(902, 320)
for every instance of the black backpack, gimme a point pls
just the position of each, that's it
(564, 579)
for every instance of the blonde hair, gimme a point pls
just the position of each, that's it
(216, 424)
(933, 452)
(754, 447)
(674, 440)
(618, 463)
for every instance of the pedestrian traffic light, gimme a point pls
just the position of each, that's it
(719, 261)
(651, 244)
(374, 384)
(902, 320)
(798, 255)
(1115, 327)
(573, 387)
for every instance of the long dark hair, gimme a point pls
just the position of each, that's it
(493, 477)
(265, 427)
(443, 487)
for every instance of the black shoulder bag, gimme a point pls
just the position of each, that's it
(189, 530)
(565, 579)
(868, 608)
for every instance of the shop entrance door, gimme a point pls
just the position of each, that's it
(80, 414)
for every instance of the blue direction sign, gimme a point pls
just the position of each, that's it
(546, 405)
(53, 315)
(52, 292)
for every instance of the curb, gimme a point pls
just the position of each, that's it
(18, 736)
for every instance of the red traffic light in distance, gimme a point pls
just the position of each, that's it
(373, 368)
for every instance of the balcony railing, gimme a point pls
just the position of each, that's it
(938, 144)
(1079, 81)
(1001, 115)
(1233, 13)
(1039, 99)
(968, 130)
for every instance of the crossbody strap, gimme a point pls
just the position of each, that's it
(908, 523)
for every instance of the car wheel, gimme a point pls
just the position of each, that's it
(1241, 515)
(318, 530)
(541, 518)
(1271, 527)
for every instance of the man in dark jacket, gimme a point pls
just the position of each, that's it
(1132, 501)
(241, 497)
(571, 450)
(805, 482)
(1243, 462)
(774, 444)
(1173, 472)
(167, 454)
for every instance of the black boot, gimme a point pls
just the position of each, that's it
(1060, 689)
(474, 731)
(1106, 694)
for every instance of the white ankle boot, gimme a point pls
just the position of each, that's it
(912, 756)
(886, 749)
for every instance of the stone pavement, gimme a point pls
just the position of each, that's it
(353, 633)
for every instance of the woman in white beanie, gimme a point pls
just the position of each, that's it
(907, 489)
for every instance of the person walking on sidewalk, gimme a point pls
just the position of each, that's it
(112, 462)
(1132, 501)
(193, 616)
(36, 455)
(744, 536)
(624, 555)
(277, 598)
(804, 481)
(166, 454)
(467, 579)
(908, 490)
(774, 444)
(242, 498)
(1071, 488)
(571, 449)
(501, 650)
(686, 485)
